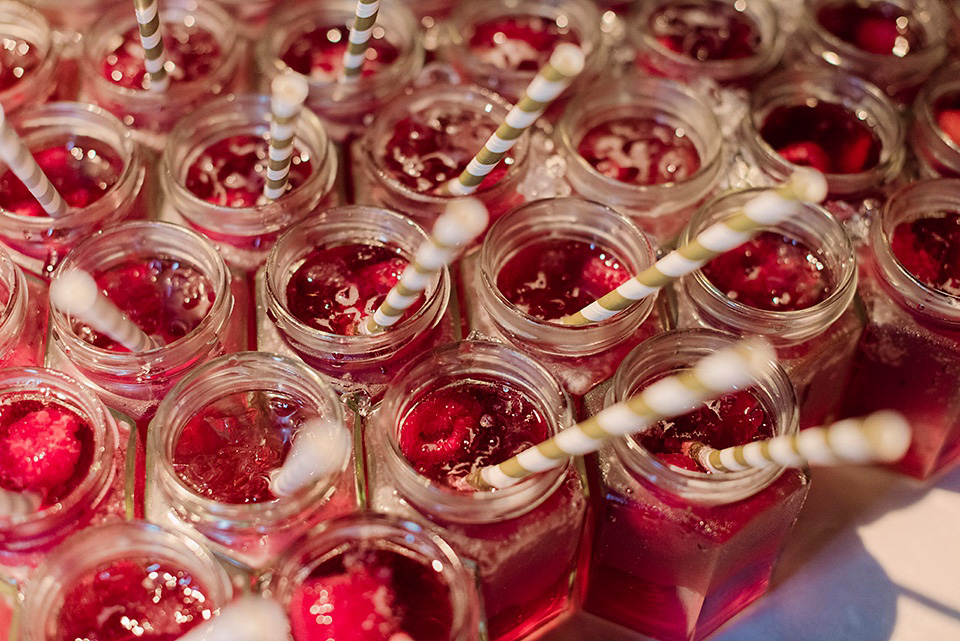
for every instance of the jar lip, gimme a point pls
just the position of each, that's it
(129, 153)
(17, 288)
(411, 95)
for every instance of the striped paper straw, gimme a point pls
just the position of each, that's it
(22, 163)
(565, 63)
(148, 19)
(359, 38)
(881, 437)
(17, 503)
(249, 618)
(76, 293)
(458, 226)
(319, 449)
(289, 91)
(722, 372)
(768, 208)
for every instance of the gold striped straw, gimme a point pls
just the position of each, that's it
(21, 162)
(17, 503)
(76, 293)
(565, 63)
(359, 38)
(768, 208)
(881, 437)
(289, 91)
(249, 618)
(151, 37)
(722, 372)
(458, 226)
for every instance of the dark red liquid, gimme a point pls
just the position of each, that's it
(82, 169)
(165, 298)
(554, 278)
(772, 272)
(433, 146)
(825, 136)
(929, 248)
(878, 27)
(459, 427)
(318, 53)
(370, 594)
(227, 450)
(640, 151)
(732, 419)
(233, 171)
(132, 599)
(335, 288)
(192, 53)
(17, 59)
(947, 112)
(45, 448)
(520, 42)
(706, 30)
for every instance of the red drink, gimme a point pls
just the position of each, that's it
(317, 53)
(948, 116)
(703, 31)
(29, 57)
(677, 552)
(519, 42)
(879, 27)
(935, 135)
(192, 54)
(18, 58)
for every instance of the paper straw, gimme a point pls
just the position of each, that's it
(881, 437)
(250, 618)
(319, 450)
(17, 503)
(722, 372)
(767, 208)
(565, 63)
(151, 37)
(22, 163)
(360, 35)
(289, 91)
(458, 226)
(76, 293)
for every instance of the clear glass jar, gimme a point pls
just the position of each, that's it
(375, 185)
(661, 210)
(909, 356)
(937, 152)
(652, 54)
(40, 80)
(121, 543)
(151, 114)
(361, 363)
(243, 235)
(676, 553)
(367, 534)
(23, 317)
(814, 345)
(25, 540)
(135, 382)
(576, 19)
(523, 540)
(899, 75)
(579, 357)
(346, 109)
(39, 243)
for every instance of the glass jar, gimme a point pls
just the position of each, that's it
(112, 550)
(757, 17)
(661, 210)
(345, 109)
(936, 150)
(243, 235)
(523, 540)
(360, 363)
(816, 344)
(576, 21)
(39, 243)
(98, 494)
(376, 184)
(579, 357)
(900, 71)
(23, 317)
(151, 114)
(31, 47)
(252, 533)
(414, 563)
(676, 553)
(909, 357)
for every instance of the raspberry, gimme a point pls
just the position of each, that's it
(877, 35)
(807, 154)
(40, 451)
